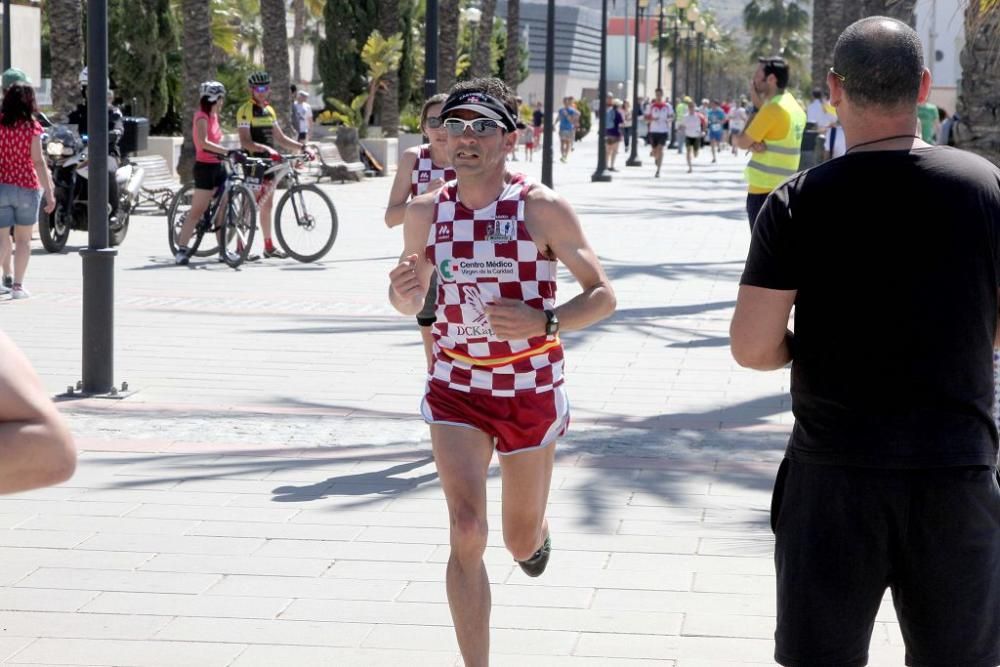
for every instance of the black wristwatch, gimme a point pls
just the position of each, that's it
(551, 323)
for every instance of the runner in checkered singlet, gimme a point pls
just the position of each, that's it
(420, 171)
(477, 399)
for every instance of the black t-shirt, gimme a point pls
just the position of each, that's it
(537, 118)
(895, 259)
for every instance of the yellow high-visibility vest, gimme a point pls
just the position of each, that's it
(769, 169)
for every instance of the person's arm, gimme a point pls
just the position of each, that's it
(42, 169)
(201, 130)
(512, 319)
(409, 280)
(758, 334)
(399, 195)
(36, 447)
(752, 137)
(285, 141)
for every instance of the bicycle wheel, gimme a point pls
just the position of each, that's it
(306, 223)
(239, 218)
(176, 215)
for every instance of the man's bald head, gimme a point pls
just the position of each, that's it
(880, 62)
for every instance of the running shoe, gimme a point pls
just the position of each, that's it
(182, 257)
(4, 290)
(535, 565)
(8, 281)
(274, 253)
(18, 292)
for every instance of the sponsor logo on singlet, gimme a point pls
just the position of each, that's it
(502, 230)
(471, 269)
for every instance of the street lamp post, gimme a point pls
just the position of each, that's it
(659, 50)
(678, 20)
(601, 173)
(699, 28)
(693, 15)
(550, 96)
(633, 160)
(6, 35)
(431, 50)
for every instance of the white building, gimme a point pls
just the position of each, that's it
(941, 25)
(26, 40)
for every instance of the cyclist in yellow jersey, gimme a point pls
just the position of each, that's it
(260, 134)
(774, 134)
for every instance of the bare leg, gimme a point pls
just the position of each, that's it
(22, 251)
(689, 157)
(463, 458)
(5, 251)
(527, 477)
(199, 204)
(264, 206)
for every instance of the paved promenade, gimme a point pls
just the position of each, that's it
(267, 496)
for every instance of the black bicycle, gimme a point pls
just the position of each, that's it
(230, 220)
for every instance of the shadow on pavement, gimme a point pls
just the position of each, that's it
(382, 482)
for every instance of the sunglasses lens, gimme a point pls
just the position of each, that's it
(454, 126)
(434, 122)
(484, 127)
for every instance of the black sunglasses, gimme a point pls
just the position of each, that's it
(434, 122)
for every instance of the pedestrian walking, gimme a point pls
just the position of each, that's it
(424, 168)
(494, 239)
(659, 116)
(538, 123)
(569, 120)
(613, 132)
(889, 478)
(24, 181)
(303, 115)
(627, 125)
(36, 447)
(774, 134)
(737, 123)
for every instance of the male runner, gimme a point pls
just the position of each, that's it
(259, 135)
(494, 239)
(658, 116)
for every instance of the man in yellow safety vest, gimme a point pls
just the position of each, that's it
(774, 134)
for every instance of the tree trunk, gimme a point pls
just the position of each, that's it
(979, 89)
(512, 58)
(828, 22)
(389, 26)
(274, 21)
(482, 54)
(66, 52)
(196, 48)
(298, 39)
(447, 43)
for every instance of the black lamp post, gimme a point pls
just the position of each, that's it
(431, 50)
(601, 173)
(659, 50)
(633, 159)
(550, 97)
(678, 20)
(6, 35)
(698, 69)
(687, 62)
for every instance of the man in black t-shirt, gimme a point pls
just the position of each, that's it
(891, 257)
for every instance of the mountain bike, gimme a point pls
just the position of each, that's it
(305, 219)
(231, 217)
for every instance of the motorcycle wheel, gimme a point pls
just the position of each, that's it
(53, 233)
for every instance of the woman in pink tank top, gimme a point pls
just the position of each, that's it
(422, 169)
(209, 172)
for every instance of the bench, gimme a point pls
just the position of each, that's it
(332, 166)
(158, 184)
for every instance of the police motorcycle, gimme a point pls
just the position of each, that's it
(66, 154)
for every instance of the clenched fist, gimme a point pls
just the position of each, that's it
(404, 281)
(512, 319)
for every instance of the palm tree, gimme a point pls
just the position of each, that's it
(66, 49)
(381, 55)
(389, 25)
(304, 11)
(979, 88)
(775, 23)
(448, 16)
(196, 47)
(512, 57)
(482, 53)
(274, 21)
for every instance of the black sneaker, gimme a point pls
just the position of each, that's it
(274, 253)
(535, 565)
(182, 257)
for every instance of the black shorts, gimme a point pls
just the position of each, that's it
(208, 176)
(658, 138)
(693, 142)
(844, 534)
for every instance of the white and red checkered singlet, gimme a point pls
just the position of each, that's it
(480, 256)
(425, 171)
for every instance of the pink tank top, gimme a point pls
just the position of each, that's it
(214, 135)
(480, 256)
(425, 171)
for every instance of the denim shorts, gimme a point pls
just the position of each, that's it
(18, 206)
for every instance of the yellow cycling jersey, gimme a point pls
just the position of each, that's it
(259, 120)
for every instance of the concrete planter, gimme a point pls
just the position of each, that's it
(407, 141)
(385, 151)
(169, 148)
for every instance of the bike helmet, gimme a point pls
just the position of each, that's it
(213, 90)
(259, 79)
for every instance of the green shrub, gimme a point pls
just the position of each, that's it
(586, 117)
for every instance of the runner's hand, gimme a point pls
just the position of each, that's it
(404, 281)
(436, 184)
(513, 319)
